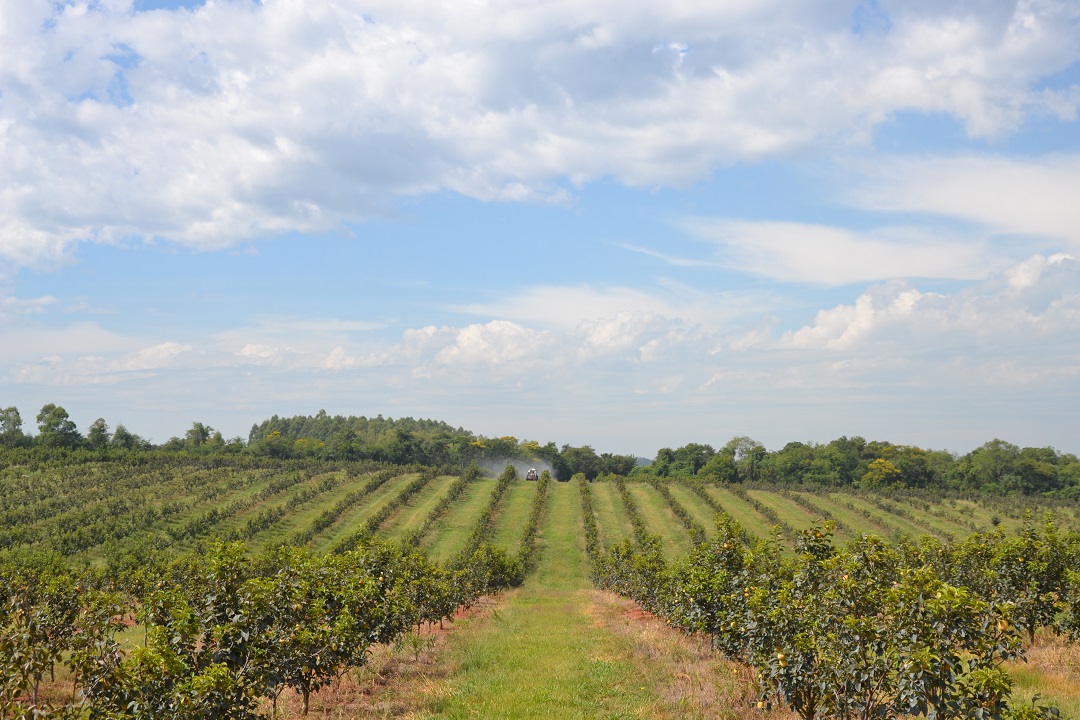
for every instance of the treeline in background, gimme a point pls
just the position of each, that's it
(996, 467)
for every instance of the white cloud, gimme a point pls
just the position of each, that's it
(565, 308)
(845, 325)
(805, 253)
(579, 308)
(625, 331)
(1028, 309)
(154, 357)
(14, 308)
(1017, 196)
(82, 369)
(498, 342)
(238, 119)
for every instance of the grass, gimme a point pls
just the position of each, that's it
(694, 505)
(419, 507)
(741, 511)
(850, 518)
(354, 518)
(791, 513)
(982, 516)
(557, 649)
(451, 532)
(660, 520)
(512, 516)
(1052, 672)
(611, 517)
(878, 517)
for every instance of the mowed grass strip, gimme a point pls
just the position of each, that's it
(898, 525)
(95, 492)
(452, 530)
(741, 511)
(849, 517)
(917, 513)
(300, 516)
(612, 520)
(513, 515)
(699, 510)
(790, 512)
(540, 654)
(243, 494)
(556, 649)
(354, 518)
(413, 514)
(660, 520)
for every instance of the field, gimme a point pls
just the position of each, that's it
(555, 646)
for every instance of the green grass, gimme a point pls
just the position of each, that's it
(928, 522)
(354, 518)
(277, 499)
(694, 505)
(741, 511)
(541, 654)
(611, 517)
(412, 516)
(1050, 673)
(548, 649)
(850, 518)
(972, 511)
(790, 512)
(513, 515)
(452, 531)
(897, 524)
(660, 520)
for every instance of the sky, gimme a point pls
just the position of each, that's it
(628, 224)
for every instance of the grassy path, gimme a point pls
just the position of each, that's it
(557, 649)
(541, 655)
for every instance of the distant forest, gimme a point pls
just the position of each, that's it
(996, 467)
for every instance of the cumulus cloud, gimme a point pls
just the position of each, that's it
(237, 119)
(1033, 304)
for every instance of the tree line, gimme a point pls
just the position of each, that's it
(401, 441)
(996, 467)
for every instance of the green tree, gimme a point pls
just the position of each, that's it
(198, 434)
(124, 439)
(690, 458)
(617, 464)
(748, 454)
(97, 435)
(721, 466)
(55, 428)
(11, 432)
(582, 459)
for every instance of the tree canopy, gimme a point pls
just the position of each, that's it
(996, 466)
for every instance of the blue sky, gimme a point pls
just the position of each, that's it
(627, 225)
